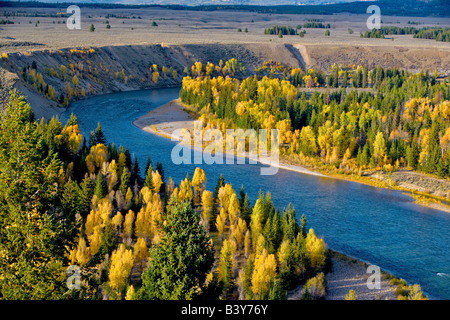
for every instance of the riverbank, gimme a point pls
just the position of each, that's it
(173, 116)
(348, 273)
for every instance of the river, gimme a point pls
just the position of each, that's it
(383, 227)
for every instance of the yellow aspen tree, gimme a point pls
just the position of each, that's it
(260, 244)
(233, 208)
(207, 204)
(146, 194)
(128, 224)
(224, 195)
(445, 141)
(70, 136)
(198, 182)
(93, 219)
(256, 218)
(220, 221)
(379, 147)
(247, 243)
(197, 69)
(155, 76)
(105, 208)
(141, 252)
(209, 69)
(113, 177)
(117, 220)
(264, 272)
(175, 193)
(95, 240)
(128, 198)
(424, 141)
(185, 192)
(130, 293)
(143, 223)
(239, 231)
(81, 254)
(315, 248)
(100, 154)
(90, 163)
(157, 181)
(284, 254)
(121, 264)
(284, 131)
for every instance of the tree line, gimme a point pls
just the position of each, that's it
(437, 33)
(402, 122)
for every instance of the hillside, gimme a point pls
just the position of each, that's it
(60, 76)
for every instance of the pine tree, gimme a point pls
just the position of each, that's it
(412, 154)
(124, 182)
(92, 140)
(149, 177)
(135, 173)
(100, 189)
(34, 234)
(182, 259)
(86, 193)
(99, 136)
(226, 265)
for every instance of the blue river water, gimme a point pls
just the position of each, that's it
(383, 227)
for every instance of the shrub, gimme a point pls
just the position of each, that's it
(351, 295)
(315, 288)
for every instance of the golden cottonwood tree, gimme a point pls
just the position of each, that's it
(315, 248)
(207, 205)
(264, 272)
(121, 264)
(128, 224)
(141, 252)
(198, 182)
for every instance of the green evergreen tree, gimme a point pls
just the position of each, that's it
(124, 182)
(149, 178)
(86, 193)
(99, 136)
(100, 189)
(34, 232)
(182, 258)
